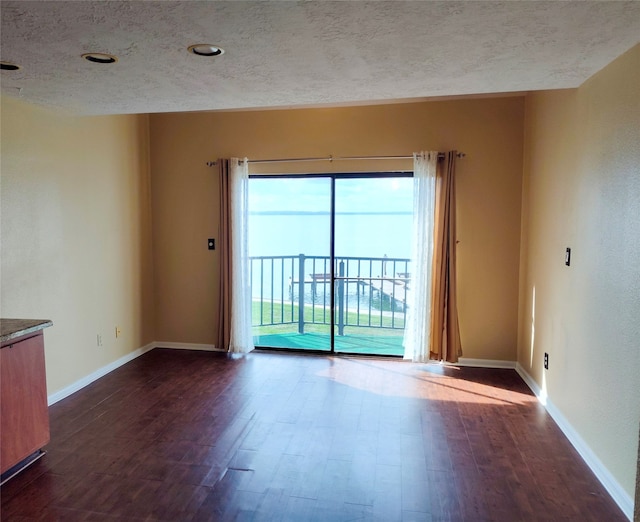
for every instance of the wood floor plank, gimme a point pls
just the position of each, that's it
(180, 435)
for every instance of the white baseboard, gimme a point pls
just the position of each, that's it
(101, 372)
(485, 363)
(619, 495)
(188, 346)
(533, 385)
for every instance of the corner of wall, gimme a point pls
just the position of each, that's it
(580, 190)
(78, 188)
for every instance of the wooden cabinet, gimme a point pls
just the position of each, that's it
(24, 415)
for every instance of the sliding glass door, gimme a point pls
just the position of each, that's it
(289, 249)
(330, 265)
(373, 220)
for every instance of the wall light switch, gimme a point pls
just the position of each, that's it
(567, 257)
(211, 244)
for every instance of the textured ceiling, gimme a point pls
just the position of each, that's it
(282, 54)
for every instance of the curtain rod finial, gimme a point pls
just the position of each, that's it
(211, 163)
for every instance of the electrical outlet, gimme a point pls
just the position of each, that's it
(99, 340)
(546, 361)
(118, 332)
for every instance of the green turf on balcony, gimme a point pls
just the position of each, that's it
(357, 344)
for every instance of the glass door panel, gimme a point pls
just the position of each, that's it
(373, 221)
(289, 249)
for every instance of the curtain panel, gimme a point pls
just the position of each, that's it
(418, 325)
(234, 317)
(445, 341)
(224, 300)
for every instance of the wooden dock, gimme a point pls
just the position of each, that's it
(394, 288)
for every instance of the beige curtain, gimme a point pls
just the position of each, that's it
(445, 333)
(234, 325)
(224, 314)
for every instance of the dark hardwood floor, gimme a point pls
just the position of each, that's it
(178, 435)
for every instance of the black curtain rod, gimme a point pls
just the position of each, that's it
(441, 155)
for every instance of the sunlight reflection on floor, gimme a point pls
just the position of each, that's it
(431, 381)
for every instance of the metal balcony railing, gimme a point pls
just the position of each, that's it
(369, 291)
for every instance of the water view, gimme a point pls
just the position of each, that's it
(290, 245)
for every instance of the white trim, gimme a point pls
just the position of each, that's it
(188, 346)
(100, 372)
(533, 385)
(485, 363)
(617, 492)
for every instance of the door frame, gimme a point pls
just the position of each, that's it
(332, 176)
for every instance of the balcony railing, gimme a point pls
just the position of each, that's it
(369, 291)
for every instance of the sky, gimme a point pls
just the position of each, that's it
(377, 195)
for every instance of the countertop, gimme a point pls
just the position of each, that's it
(14, 328)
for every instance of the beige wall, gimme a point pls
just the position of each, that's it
(582, 190)
(75, 234)
(185, 199)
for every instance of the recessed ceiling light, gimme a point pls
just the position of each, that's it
(206, 50)
(99, 57)
(6, 66)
